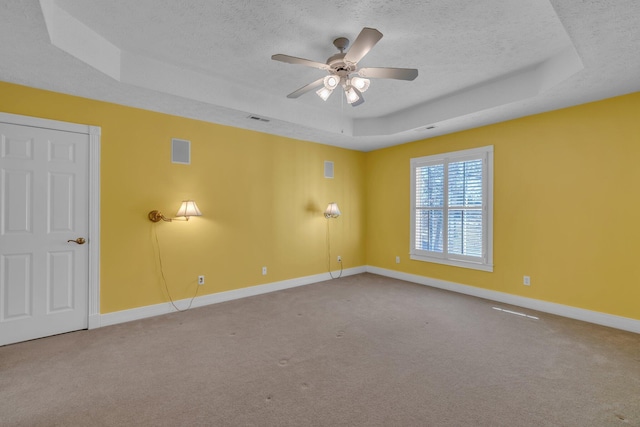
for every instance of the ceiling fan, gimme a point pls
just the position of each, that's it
(342, 67)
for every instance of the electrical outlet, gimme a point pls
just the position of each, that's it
(397, 260)
(264, 271)
(526, 280)
(200, 280)
(339, 258)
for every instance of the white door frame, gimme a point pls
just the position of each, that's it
(93, 237)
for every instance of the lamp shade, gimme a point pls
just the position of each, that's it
(332, 211)
(188, 208)
(359, 83)
(324, 93)
(331, 81)
(351, 94)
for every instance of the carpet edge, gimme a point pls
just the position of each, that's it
(107, 319)
(596, 317)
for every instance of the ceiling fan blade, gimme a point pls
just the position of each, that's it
(367, 38)
(388, 73)
(307, 88)
(299, 61)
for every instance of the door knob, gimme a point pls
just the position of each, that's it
(79, 240)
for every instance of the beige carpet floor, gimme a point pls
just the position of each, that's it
(358, 351)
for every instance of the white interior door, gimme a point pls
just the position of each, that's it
(44, 218)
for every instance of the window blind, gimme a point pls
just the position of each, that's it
(452, 208)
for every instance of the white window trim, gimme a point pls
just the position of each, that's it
(486, 262)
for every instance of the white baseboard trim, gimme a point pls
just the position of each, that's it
(603, 319)
(138, 313)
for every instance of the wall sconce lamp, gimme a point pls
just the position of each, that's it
(332, 211)
(187, 208)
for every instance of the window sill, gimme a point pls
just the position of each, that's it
(454, 263)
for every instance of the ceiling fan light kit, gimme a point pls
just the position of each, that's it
(359, 83)
(341, 65)
(331, 82)
(324, 93)
(352, 95)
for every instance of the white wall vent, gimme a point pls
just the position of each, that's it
(180, 151)
(328, 169)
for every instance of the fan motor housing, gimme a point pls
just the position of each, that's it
(339, 67)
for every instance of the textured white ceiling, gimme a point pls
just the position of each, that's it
(479, 62)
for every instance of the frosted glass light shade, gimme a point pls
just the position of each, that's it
(324, 93)
(332, 211)
(188, 208)
(351, 94)
(331, 82)
(360, 83)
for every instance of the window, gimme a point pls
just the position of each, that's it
(452, 208)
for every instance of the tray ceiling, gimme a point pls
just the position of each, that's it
(479, 63)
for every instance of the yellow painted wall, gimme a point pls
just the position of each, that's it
(565, 210)
(566, 206)
(262, 198)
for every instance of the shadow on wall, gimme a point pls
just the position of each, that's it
(313, 208)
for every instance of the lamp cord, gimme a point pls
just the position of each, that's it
(164, 280)
(329, 254)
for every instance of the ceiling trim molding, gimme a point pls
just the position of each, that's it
(74, 37)
(508, 88)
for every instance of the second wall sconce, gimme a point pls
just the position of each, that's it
(332, 211)
(187, 209)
